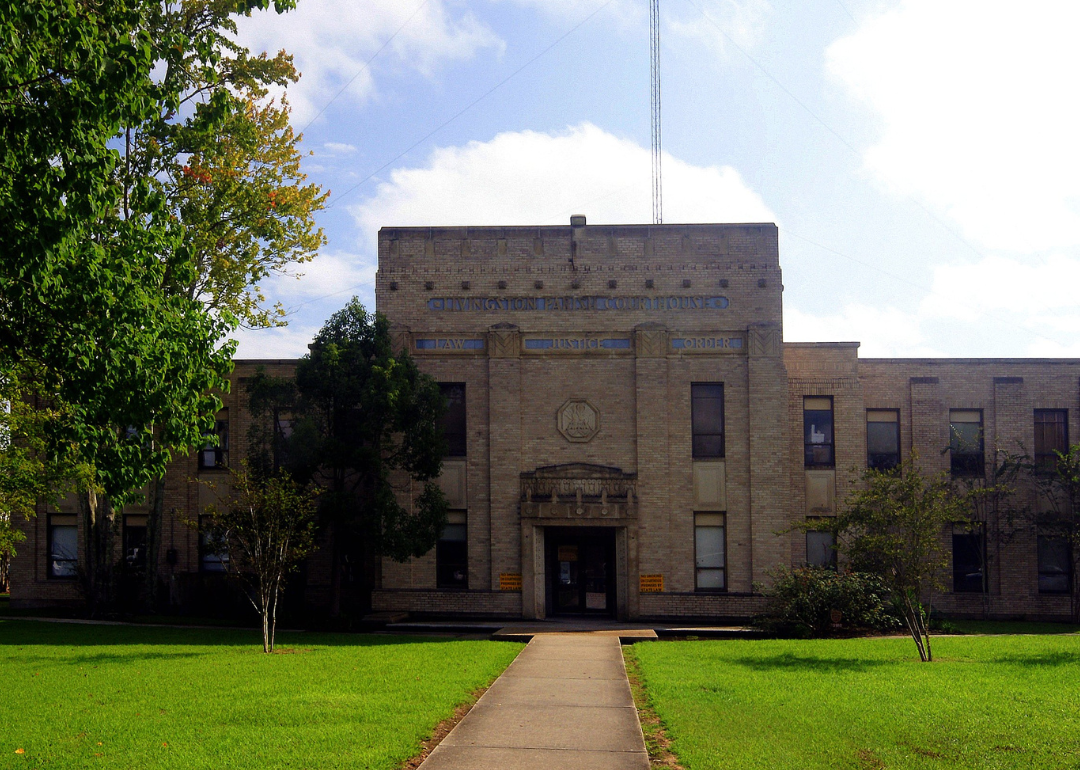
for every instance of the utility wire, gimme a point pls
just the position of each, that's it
(466, 108)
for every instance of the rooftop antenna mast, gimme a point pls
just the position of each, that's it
(654, 71)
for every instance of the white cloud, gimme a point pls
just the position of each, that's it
(331, 272)
(331, 40)
(288, 342)
(743, 21)
(883, 332)
(576, 10)
(976, 111)
(532, 178)
(338, 148)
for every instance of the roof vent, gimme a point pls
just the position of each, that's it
(577, 220)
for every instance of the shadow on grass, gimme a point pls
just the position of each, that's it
(791, 662)
(29, 633)
(1044, 659)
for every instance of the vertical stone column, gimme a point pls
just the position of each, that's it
(504, 449)
(654, 547)
(770, 483)
(1013, 433)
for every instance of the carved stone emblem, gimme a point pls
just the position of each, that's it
(578, 420)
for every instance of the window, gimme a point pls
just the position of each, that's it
(216, 453)
(453, 422)
(821, 548)
(818, 432)
(283, 428)
(213, 556)
(969, 560)
(63, 545)
(709, 551)
(966, 442)
(882, 439)
(452, 553)
(707, 419)
(135, 541)
(1055, 564)
(1051, 436)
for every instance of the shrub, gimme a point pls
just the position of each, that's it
(815, 601)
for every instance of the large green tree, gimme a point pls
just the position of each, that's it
(365, 426)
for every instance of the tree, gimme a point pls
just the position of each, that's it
(893, 526)
(365, 428)
(1056, 516)
(266, 527)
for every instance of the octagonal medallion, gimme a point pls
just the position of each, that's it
(578, 420)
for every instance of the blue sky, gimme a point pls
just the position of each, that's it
(919, 156)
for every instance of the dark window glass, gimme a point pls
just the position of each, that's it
(1051, 436)
(1055, 565)
(453, 423)
(452, 556)
(63, 547)
(213, 556)
(709, 561)
(818, 432)
(135, 541)
(216, 453)
(821, 548)
(882, 439)
(283, 429)
(966, 442)
(707, 419)
(969, 560)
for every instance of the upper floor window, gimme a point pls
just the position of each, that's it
(63, 546)
(882, 439)
(453, 423)
(818, 432)
(707, 419)
(966, 442)
(216, 453)
(1051, 437)
(821, 548)
(283, 429)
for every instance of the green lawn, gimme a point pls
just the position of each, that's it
(987, 702)
(78, 696)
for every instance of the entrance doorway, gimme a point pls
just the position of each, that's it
(581, 571)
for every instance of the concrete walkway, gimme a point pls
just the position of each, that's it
(563, 703)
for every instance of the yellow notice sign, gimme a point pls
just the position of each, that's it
(652, 584)
(509, 581)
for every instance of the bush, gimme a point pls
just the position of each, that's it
(815, 601)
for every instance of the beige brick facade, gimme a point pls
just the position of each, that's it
(579, 348)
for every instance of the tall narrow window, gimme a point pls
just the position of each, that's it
(216, 453)
(709, 559)
(882, 439)
(969, 560)
(452, 553)
(1051, 437)
(135, 541)
(213, 555)
(453, 423)
(966, 442)
(283, 428)
(707, 419)
(63, 545)
(821, 548)
(818, 432)
(1055, 564)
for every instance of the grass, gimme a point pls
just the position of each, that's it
(986, 702)
(84, 696)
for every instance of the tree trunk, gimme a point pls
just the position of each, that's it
(336, 547)
(99, 523)
(155, 511)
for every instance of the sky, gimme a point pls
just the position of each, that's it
(919, 157)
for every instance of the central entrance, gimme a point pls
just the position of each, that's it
(580, 570)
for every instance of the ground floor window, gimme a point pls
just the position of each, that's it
(709, 556)
(821, 548)
(452, 553)
(1055, 565)
(135, 541)
(63, 545)
(213, 555)
(969, 560)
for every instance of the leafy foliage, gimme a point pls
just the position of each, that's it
(817, 601)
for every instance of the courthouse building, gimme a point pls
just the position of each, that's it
(630, 436)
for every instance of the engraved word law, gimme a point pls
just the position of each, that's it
(557, 304)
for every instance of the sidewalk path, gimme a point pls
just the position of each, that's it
(563, 703)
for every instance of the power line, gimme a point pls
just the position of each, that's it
(466, 108)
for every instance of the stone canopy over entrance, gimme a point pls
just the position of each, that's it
(578, 491)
